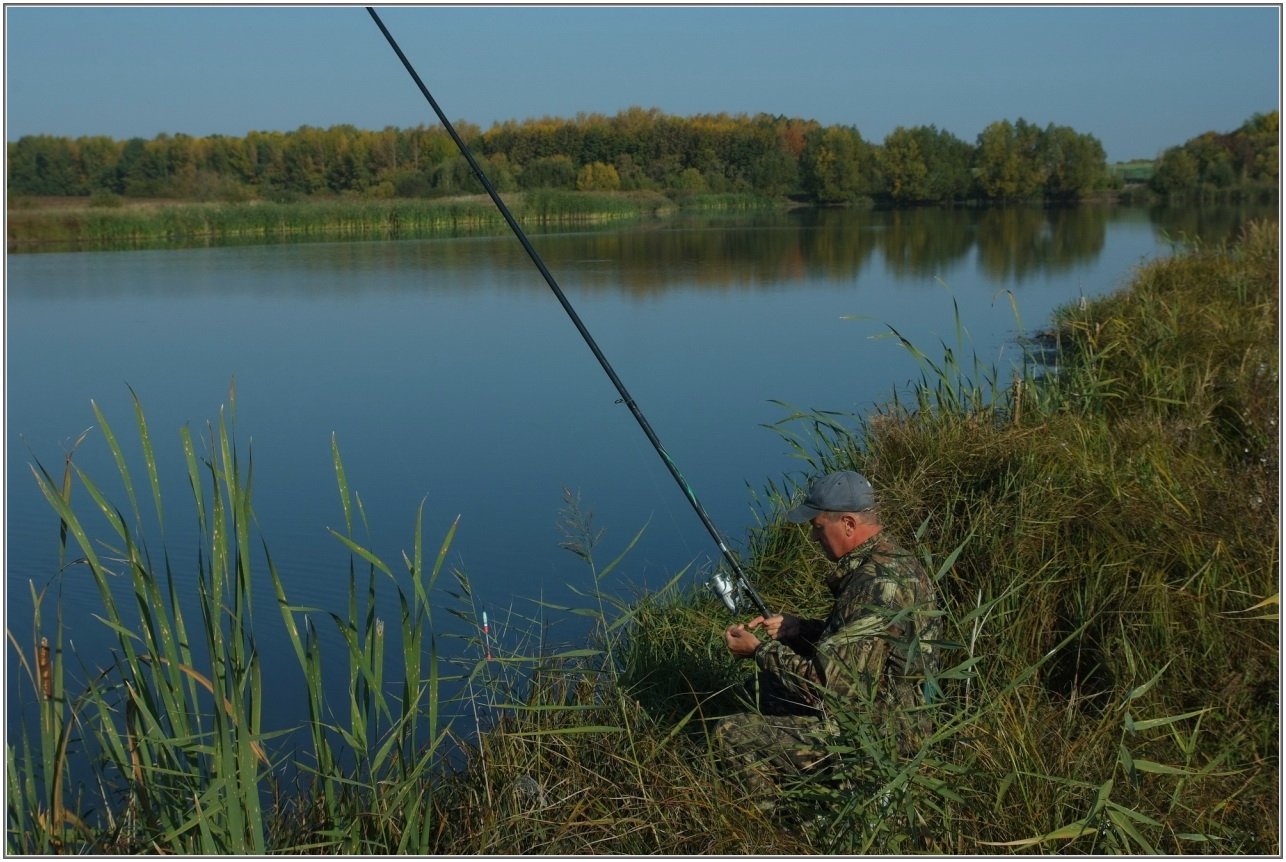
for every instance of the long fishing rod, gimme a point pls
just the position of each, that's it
(722, 586)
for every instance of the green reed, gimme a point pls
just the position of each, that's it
(181, 732)
(348, 218)
(180, 757)
(378, 803)
(587, 749)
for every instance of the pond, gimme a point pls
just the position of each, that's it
(447, 373)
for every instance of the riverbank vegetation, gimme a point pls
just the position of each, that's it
(1102, 524)
(119, 224)
(635, 150)
(96, 193)
(1218, 166)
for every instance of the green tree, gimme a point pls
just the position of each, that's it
(950, 162)
(267, 153)
(1215, 164)
(549, 172)
(1074, 164)
(43, 165)
(387, 149)
(410, 183)
(634, 130)
(98, 156)
(1176, 172)
(233, 158)
(837, 166)
(144, 168)
(349, 162)
(304, 160)
(433, 147)
(690, 180)
(1009, 164)
(1261, 134)
(500, 172)
(906, 172)
(598, 177)
(598, 142)
(926, 164)
(1219, 163)
(181, 154)
(768, 161)
(630, 174)
(455, 177)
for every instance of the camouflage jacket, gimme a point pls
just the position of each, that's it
(875, 648)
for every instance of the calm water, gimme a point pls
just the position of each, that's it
(449, 373)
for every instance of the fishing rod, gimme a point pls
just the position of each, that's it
(726, 587)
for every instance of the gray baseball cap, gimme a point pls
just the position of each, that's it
(845, 491)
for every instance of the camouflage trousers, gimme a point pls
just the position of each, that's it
(763, 750)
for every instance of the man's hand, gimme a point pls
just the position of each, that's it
(741, 641)
(780, 627)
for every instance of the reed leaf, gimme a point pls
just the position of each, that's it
(149, 459)
(341, 478)
(570, 731)
(118, 456)
(362, 552)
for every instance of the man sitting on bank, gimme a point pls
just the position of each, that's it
(872, 654)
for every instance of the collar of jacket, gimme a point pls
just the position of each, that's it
(851, 562)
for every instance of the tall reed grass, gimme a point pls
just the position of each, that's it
(1103, 531)
(162, 225)
(1116, 515)
(173, 721)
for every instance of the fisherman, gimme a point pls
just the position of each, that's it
(871, 657)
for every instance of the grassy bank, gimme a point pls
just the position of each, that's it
(1104, 531)
(114, 223)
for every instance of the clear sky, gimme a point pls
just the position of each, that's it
(1139, 78)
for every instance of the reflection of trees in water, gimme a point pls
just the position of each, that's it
(836, 243)
(1016, 242)
(766, 251)
(925, 241)
(1078, 235)
(1019, 242)
(750, 253)
(1213, 223)
(652, 261)
(746, 252)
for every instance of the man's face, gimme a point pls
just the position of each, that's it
(832, 532)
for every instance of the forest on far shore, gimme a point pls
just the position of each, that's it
(638, 149)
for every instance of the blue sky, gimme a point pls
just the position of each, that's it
(1139, 78)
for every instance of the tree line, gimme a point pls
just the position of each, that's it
(1212, 163)
(636, 149)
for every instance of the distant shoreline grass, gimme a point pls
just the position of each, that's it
(1103, 529)
(107, 224)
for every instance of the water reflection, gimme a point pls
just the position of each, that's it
(923, 242)
(1017, 243)
(758, 251)
(1212, 223)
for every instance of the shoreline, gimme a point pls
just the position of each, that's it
(41, 225)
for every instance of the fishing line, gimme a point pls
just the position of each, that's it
(575, 318)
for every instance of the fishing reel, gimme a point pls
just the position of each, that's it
(727, 589)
